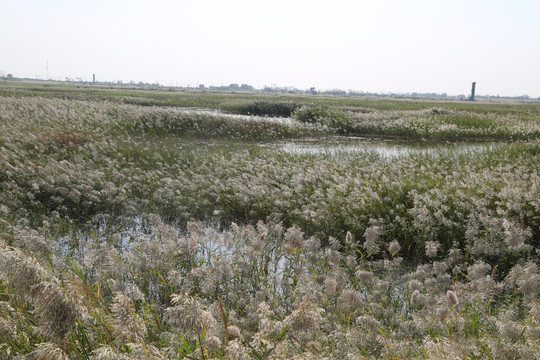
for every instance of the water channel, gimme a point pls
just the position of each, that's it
(356, 145)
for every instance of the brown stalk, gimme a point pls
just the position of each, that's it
(224, 319)
(493, 271)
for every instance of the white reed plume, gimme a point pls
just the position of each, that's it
(305, 319)
(38, 285)
(190, 315)
(47, 351)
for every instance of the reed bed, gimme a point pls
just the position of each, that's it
(119, 236)
(431, 124)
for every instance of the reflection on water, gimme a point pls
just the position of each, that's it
(386, 149)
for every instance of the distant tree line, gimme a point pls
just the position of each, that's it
(231, 87)
(283, 90)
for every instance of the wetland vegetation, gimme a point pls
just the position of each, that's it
(147, 224)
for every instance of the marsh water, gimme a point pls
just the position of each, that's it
(357, 145)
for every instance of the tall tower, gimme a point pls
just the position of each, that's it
(472, 91)
(93, 78)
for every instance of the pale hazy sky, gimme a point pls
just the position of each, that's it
(379, 45)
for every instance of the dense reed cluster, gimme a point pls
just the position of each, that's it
(118, 235)
(256, 292)
(429, 124)
(261, 107)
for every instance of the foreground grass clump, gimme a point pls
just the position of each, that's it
(252, 292)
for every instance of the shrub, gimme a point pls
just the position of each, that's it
(324, 115)
(264, 108)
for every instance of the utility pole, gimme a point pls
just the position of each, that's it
(47, 69)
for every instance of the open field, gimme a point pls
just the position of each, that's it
(355, 228)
